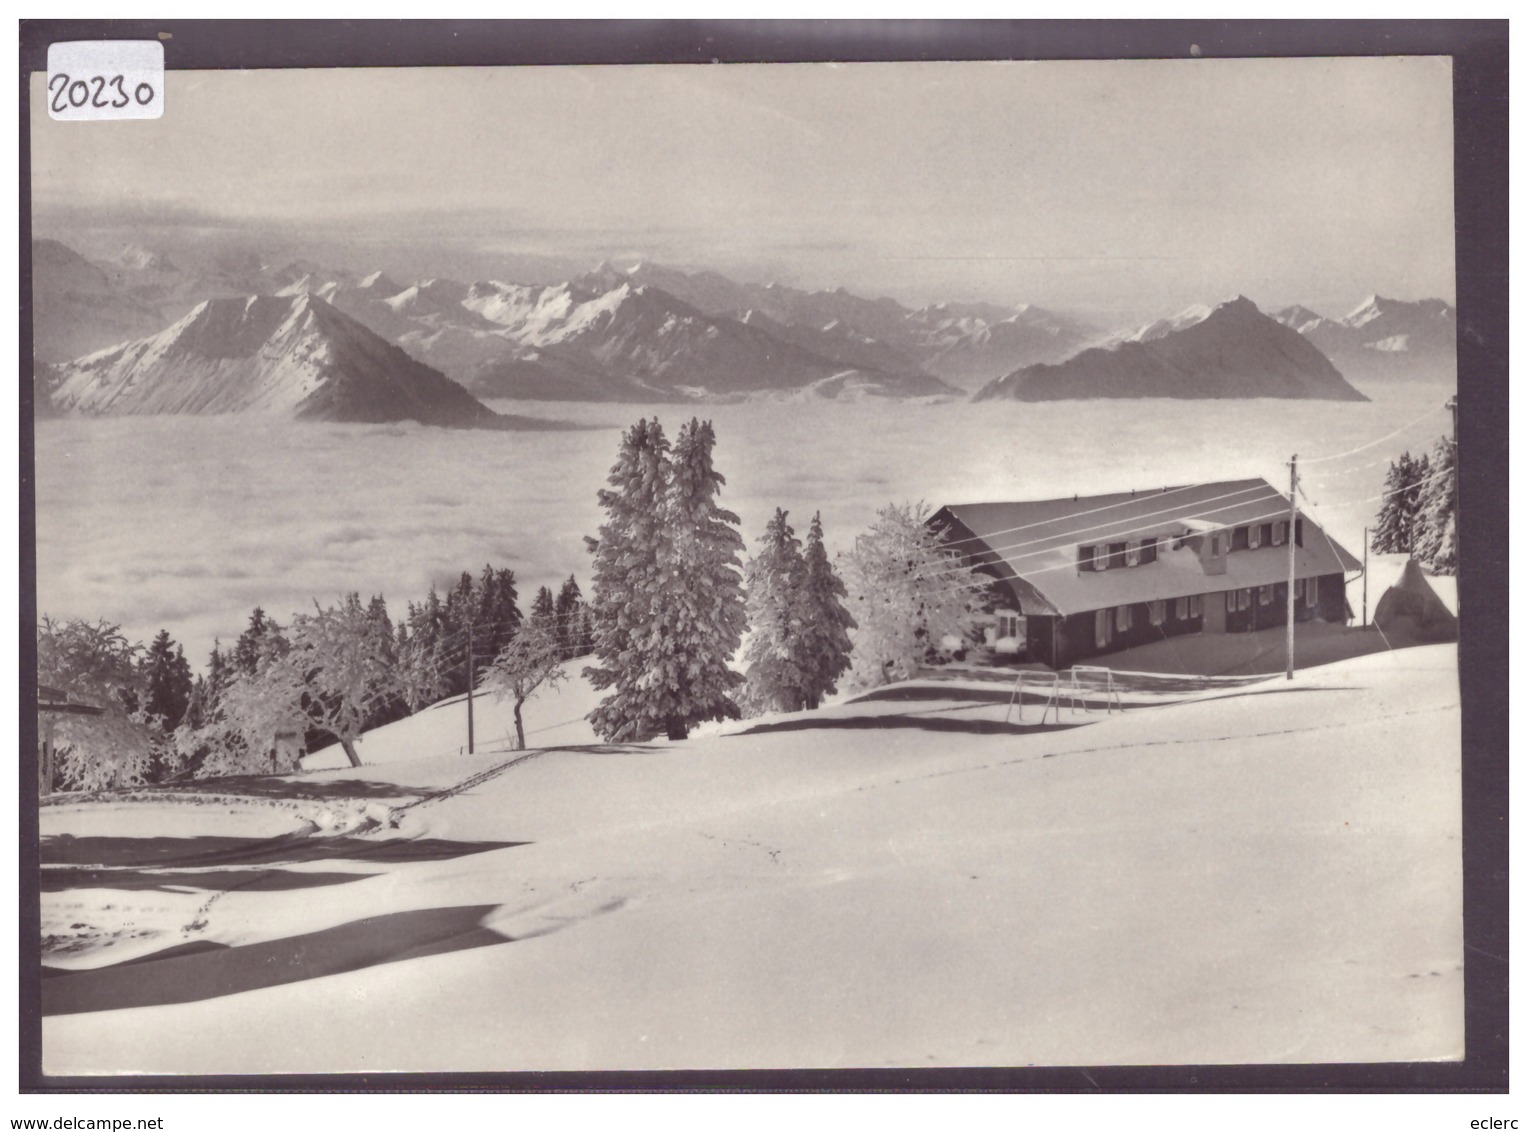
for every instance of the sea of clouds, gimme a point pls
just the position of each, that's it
(187, 523)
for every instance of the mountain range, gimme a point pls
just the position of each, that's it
(653, 333)
(1383, 338)
(1230, 350)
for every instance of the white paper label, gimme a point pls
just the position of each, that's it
(100, 79)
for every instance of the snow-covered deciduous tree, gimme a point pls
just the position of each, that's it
(93, 664)
(826, 623)
(909, 598)
(335, 669)
(531, 660)
(775, 664)
(1437, 547)
(668, 599)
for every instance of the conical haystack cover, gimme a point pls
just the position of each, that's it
(1412, 608)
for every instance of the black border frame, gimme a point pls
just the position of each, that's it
(1479, 51)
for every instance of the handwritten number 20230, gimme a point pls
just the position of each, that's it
(77, 93)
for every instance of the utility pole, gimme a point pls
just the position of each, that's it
(1365, 620)
(471, 680)
(1289, 592)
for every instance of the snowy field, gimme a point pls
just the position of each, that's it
(1261, 871)
(187, 523)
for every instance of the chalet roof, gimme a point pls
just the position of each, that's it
(1035, 544)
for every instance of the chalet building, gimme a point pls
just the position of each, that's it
(1087, 576)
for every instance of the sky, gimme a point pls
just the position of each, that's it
(1101, 186)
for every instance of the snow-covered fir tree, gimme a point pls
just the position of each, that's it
(167, 689)
(572, 620)
(1437, 547)
(775, 665)
(702, 613)
(910, 599)
(544, 609)
(631, 544)
(668, 602)
(1397, 525)
(825, 622)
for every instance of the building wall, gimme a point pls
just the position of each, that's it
(1064, 641)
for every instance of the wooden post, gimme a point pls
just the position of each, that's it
(1289, 593)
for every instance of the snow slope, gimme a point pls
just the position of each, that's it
(1268, 872)
(553, 717)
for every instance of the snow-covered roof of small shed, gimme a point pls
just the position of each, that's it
(1036, 543)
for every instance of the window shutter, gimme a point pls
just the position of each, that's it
(1084, 558)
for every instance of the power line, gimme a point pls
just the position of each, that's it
(1365, 447)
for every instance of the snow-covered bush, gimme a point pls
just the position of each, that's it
(93, 664)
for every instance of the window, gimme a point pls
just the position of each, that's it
(1299, 532)
(1230, 601)
(1265, 595)
(1254, 537)
(1158, 612)
(1132, 554)
(1196, 606)
(1312, 593)
(1148, 550)
(1180, 609)
(1103, 628)
(1122, 618)
(1281, 533)
(1084, 558)
(1299, 589)
(1239, 538)
(1244, 599)
(1100, 558)
(1215, 546)
(1008, 625)
(1116, 555)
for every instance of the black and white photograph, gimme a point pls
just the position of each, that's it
(815, 565)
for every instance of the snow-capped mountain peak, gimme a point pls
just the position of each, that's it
(291, 355)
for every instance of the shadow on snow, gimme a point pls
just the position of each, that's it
(202, 970)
